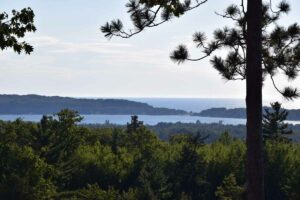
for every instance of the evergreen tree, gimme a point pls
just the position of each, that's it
(134, 125)
(187, 172)
(273, 123)
(254, 53)
(230, 190)
(64, 135)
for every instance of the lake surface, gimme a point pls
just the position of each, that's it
(199, 104)
(147, 119)
(187, 104)
(192, 104)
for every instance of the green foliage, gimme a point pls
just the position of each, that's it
(167, 131)
(91, 192)
(226, 138)
(62, 137)
(24, 175)
(15, 27)
(223, 158)
(58, 159)
(188, 170)
(282, 165)
(230, 190)
(98, 164)
(273, 123)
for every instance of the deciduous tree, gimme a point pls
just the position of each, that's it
(15, 27)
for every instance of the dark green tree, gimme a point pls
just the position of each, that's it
(90, 192)
(226, 138)
(23, 175)
(230, 190)
(152, 180)
(14, 27)
(134, 125)
(273, 123)
(63, 136)
(187, 172)
(254, 52)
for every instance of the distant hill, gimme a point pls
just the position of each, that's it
(239, 113)
(35, 104)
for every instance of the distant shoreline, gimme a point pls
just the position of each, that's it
(240, 113)
(39, 105)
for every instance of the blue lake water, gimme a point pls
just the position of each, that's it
(147, 119)
(192, 104)
(123, 119)
(195, 105)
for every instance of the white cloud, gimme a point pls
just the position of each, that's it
(41, 41)
(102, 51)
(57, 45)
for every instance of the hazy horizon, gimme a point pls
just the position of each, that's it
(266, 102)
(72, 57)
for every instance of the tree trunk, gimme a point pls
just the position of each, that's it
(255, 174)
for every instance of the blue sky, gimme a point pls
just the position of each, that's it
(72, 58)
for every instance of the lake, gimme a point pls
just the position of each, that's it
(187, 104)
(192, 104)
(147, 119)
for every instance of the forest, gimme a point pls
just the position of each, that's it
(37, 104)
(59, 159)
(213, 130)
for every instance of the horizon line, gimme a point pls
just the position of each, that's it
(118, 97)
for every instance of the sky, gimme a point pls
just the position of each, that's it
(72, 58)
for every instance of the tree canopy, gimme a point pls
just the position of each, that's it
(57, 159)
(14, 27)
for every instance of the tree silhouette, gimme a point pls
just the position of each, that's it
(134, 125)
(280, 50)
(15, 27)
(273, 123)
(145, 14)
(254, 52)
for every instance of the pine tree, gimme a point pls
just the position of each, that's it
(254, 53)
(273, 123)
(134, 125)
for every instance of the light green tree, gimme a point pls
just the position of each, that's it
(230, 190)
